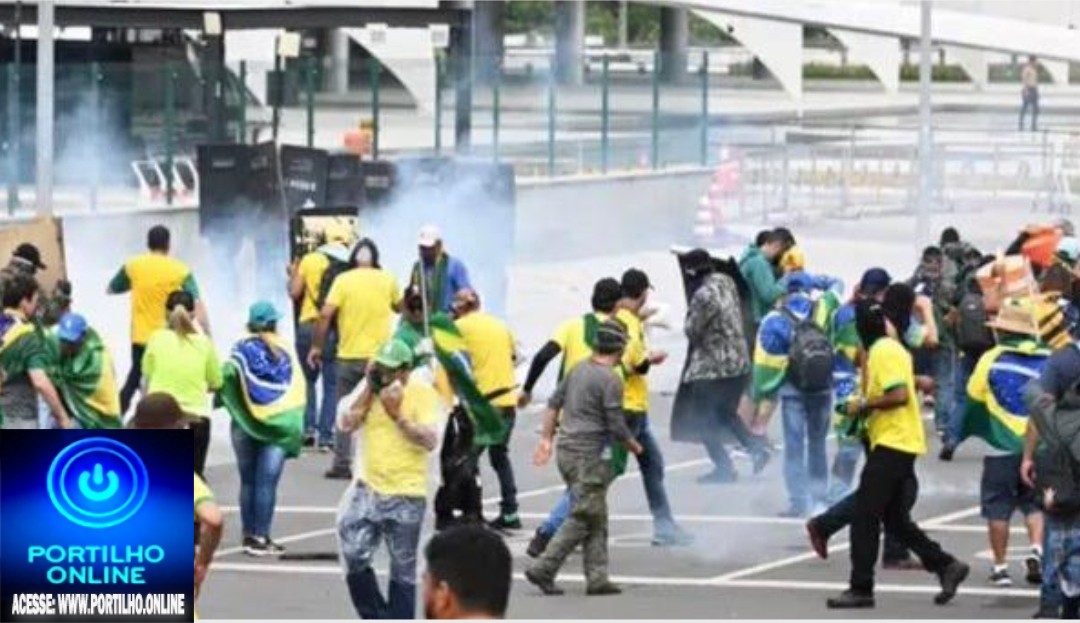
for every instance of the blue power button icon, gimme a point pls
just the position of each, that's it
(98, 482)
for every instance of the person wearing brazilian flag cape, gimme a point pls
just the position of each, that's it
(473, 424)
(264, 391)
(997, 413)
(84, 374)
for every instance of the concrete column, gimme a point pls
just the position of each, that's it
(569, 41)
(674, 40)
(624, 24)
(46, 20)
(338, 72)
(488, 31)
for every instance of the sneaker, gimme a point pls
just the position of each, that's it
(818, 542)
(673, 536)
(604, 589)
(337, 473)
(717, 477)
(850, 600)
(505, 522)
(546, 586)
(309, 441)
(999, 576)
(256, 546)
(275, 549)
(1033, 565)
(947, 452)
(537, 545)
(951, 579)
(326, 448)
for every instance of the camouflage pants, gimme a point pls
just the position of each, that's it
(588, 479)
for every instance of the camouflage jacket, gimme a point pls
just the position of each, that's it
(51, 306)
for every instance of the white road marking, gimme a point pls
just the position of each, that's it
(925, 589)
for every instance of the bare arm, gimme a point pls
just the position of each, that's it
(211, 527)
(358, 412)
(322, 327)
(48, 393)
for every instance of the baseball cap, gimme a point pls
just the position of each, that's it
(394, 354)
(792, 260)
(262, 314)
(873, 281)
(635, 282)
(429, 236)
(72, 327)
(31, 254)
(606, 293)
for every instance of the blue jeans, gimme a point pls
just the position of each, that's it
(319, 419)
(1061, 561)
(944, 371)
(651, 464)
(260, 466)
(965, 365)
(365, 519)
(806, 462)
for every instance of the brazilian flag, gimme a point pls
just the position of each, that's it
(264, 392)
(452, 355)
(996, 411)
(87, 383)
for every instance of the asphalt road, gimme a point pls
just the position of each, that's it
(746, 562)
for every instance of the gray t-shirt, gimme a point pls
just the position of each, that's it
(591, 399)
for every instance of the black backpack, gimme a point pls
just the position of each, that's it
(810, 360)
(972, 334)
(335, 268)
(1057, 469)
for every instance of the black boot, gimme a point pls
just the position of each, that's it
(850, 600)
(951, 578)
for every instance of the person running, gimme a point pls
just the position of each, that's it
(181, 361)
(396, 413)
(263, 389)
(468, 574)
(309, 283)
(590, 400)
(151, 278)
(717, 371)
(889, 403)
(995, 411)
(638, 361)
(575, 339)
(25, 360)
(1029, 92)
(443, 274)
(361, 304)
(160, 411)
(793, 359)
(491, 349)
(84, 374)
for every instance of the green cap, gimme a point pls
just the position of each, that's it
(262, 315)
(394, 354)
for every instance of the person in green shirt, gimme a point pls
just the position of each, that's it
(181, 361)
(756, 267)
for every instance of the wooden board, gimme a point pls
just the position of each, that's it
(46, 233)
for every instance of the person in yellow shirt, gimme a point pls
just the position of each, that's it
(397, 414)
(637, 361)
(151, 278)
(890, 404)
(362, 304)
(491, 348)
(308, 289)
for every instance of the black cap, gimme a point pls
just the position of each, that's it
(634, 283)
(698, 262)
(606, 294)
(31, 254)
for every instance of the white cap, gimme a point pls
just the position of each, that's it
(429, 236)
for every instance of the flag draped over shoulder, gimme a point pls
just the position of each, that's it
(450, 350)
(263, 390)
(87, 383)
(995, 407)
